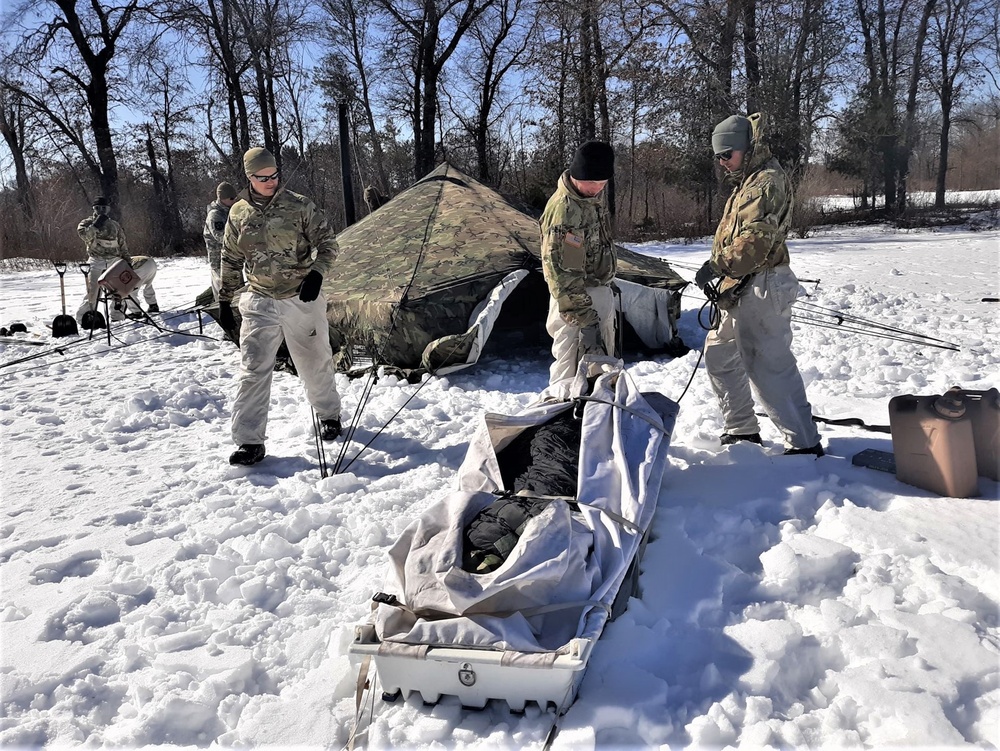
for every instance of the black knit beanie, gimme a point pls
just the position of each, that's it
(594, 160)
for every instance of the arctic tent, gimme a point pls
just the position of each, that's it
(422, 282)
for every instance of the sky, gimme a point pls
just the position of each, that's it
(151, 595)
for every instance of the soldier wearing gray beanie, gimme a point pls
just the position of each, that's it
(732, 134)
(751, 345)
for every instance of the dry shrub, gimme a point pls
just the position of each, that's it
(657, 211)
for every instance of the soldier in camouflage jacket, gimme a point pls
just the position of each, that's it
(283, 244)
(215, 227)
(579, 261)
(752, 344)
(104, 240)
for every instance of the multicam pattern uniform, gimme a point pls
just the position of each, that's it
(751, 235)
(107, 241)
(104, 246)
(752, 343)
(278, 244)
(215, 228)
(579, 263)
(577, 251)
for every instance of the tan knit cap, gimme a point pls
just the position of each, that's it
(225, 190)
(257, 159)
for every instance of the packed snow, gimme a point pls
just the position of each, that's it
(153, 595)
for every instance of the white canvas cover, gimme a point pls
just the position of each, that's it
(569, 564)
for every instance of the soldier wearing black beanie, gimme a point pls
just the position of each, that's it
(579, 261)
(594, 161)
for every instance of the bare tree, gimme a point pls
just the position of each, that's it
(434, 29)
(77, 50)
(352, 39)
(215, 27)
(959, 30)
(499, 43)
(14, 129)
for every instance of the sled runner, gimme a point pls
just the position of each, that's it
(522, 626)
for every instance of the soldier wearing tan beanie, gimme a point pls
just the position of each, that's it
(281, 241)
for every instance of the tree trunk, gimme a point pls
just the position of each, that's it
(942, 171)
(750, 53)
(13, 131)
(909, 125)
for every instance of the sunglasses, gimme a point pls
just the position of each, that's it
(725, 156)
(266, 178)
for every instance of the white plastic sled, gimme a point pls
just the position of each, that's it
(525, 631)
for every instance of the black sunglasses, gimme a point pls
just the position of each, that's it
(266, 178)
(725, 156)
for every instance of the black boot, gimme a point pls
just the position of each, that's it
(816, 450)
(728, 439)
(330, 429)
(154, 308)
(247, 454)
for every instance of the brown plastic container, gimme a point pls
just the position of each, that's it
(933, 443)
(984, 411)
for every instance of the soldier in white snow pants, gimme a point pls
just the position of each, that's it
(304, 328)
(756, 336)
(566, 336)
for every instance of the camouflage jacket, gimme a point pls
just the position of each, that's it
(751, 234)
(277, 245)
(215, 227)
(577, 250)
(107, 241)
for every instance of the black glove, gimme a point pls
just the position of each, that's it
(591, 341)
(100, 221)
(226, 318)
(309, 289)
(705, 274)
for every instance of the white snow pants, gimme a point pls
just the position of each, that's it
(566, 336)
(97, 267)
(216, 282)
(304, 328)
(145, 269)
(753, 345)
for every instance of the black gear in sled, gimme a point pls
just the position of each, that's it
(541, 461)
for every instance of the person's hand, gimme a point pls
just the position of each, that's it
(226, 318)
(100, 221)
(591, 341)
(309, 289)
(705, 274)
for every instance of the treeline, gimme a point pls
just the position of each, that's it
(151, 105)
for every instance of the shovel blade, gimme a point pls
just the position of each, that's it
(64, 325)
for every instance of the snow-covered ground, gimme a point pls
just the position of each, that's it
(154, 595)
(917, 198)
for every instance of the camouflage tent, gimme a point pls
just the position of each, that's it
(422, 282)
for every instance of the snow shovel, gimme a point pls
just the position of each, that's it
(63, 325)
(92, 319)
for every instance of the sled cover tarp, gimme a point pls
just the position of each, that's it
(420, 282)
(564, 573)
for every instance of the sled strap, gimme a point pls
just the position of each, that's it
(529, 659)
(410, 650)
(358, 697)
(623, 408)
(396, 649)
(543, 609)
(570, 499)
